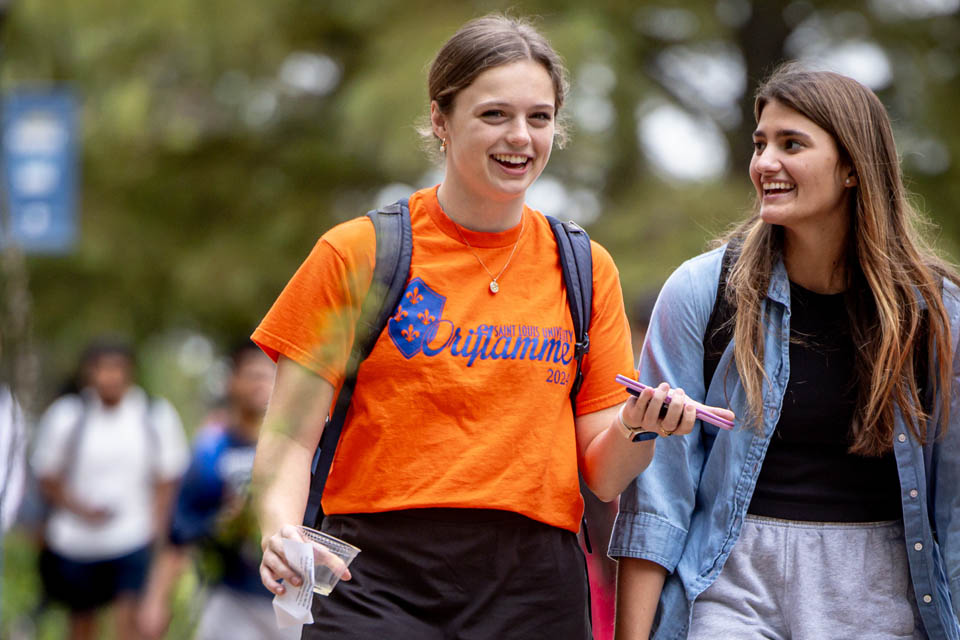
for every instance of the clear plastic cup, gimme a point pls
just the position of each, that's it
(331, 557)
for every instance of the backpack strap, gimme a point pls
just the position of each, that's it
(719, 331)
(576, 261)
(390, 273)
(154, 443)
(77, 429)
(73, 439)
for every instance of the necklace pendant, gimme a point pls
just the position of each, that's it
(494, 287)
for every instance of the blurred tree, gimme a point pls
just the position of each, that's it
(220, 138)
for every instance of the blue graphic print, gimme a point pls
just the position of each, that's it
(419, 309)
(417, 327)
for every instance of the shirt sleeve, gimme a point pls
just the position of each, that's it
(312, 321)
(656, 509)
(610, 348)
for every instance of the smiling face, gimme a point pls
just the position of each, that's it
(499, 132)
(796, 168)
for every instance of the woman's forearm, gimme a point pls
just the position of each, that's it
(610, 461)
(289, 437)
(281, 480)
(639, 583)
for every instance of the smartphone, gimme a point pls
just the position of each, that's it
(634, 388)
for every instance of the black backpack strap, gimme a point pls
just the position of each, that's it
(390, 274)
(576, 261)
(719, 331)
(925, 376)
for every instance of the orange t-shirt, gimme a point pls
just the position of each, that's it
(463, 401)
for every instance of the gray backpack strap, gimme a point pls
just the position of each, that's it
(154, 442)
(73, 440)
(390, 274)
(576, 261)
(75, 435)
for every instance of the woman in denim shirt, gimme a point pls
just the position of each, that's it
(832, 510)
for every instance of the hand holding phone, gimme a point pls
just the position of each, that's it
(634, 388)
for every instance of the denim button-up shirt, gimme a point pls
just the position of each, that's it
(686, 510)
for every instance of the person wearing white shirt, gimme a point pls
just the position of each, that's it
(12, 468)
(108, 461)
(12, 451)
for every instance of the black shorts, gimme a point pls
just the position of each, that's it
(88, 585)
(455, 574)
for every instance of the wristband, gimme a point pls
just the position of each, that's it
(634, 434)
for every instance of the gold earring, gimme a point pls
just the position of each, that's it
(443, 145)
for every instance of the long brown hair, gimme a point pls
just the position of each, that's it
(891, 272)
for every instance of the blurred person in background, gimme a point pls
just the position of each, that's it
(833, 509)
(456, 474)
(13, 439)
(212, 515)
(107, 461)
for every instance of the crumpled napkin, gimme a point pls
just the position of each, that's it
(293, 607)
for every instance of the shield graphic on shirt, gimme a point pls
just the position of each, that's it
(420, 306)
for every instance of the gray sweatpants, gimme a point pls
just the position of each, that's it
(788, 580)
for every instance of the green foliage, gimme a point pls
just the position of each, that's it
(206, 177)
(24, 617)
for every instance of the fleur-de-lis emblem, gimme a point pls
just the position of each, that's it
(411, 322)
(410, 333)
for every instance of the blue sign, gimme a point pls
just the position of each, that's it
(40, 170)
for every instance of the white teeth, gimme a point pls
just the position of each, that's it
(512, 159)
(767, 186)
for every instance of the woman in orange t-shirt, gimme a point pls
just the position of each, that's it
(456, 472)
